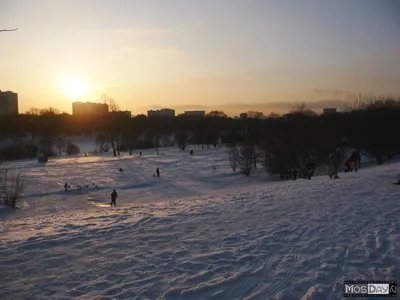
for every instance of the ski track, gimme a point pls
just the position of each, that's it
(278, 240)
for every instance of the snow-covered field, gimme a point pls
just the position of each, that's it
(193, 233)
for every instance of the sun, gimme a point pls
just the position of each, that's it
(75, 88)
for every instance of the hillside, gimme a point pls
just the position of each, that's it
(193, 233)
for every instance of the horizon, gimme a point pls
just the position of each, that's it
(232, 56)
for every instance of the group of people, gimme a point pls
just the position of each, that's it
(306, 172)
(114, 194)
(343, 154)
(340, 155)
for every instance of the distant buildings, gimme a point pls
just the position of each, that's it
(8, 103)
(89, 108)
(328, 111)
(165, 112)
(125, 113)
(197, 113)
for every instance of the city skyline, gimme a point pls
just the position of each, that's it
(233, 56)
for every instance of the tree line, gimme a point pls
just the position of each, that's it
(275, 142)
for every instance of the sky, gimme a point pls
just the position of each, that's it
(235, 55)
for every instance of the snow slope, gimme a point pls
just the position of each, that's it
(193, 234)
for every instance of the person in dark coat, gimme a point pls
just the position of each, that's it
(295, 173)
(310, 168)
(114, 197)
(158, 172)
(356, 158)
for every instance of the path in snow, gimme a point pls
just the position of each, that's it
(286, 240)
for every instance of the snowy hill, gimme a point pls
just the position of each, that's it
(193, 233)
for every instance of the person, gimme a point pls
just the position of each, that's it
(140, 153)
(356, 158)
(295, 173)
(349, 165)
(310, 168)
(337, 159)
(66, 186)
(114, 197)
(334, 158)
(158, 172)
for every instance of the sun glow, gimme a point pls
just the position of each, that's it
(75, 88)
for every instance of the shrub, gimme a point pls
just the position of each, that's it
(72, 149)
(12, 184)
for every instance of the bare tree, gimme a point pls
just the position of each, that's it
(12, 185)
(302, 109)
(61, 143)
(114, 127)
(233, 156)
(112, 104)
(182, 138)
(34, 111)
(246, 159)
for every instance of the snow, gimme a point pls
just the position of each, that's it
(193, 233)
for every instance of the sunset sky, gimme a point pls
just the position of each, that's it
(233, 55)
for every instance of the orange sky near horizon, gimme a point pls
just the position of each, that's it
(190, 55)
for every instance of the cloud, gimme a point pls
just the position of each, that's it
(335, 93)
(168, 51)
(141, 29)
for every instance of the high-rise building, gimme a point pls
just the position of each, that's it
(197, 113)
(165, 112)
(89, 108)
(8, 103)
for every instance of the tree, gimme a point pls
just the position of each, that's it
(61, 143)
(34, 111)
(12, 185)
(302, 109)
(233, 157)
(246, 158)
(273, 115)
(255, 114)
(112, 127)
(182, 138)
(112, 104)
(217, 114)
(50, 111)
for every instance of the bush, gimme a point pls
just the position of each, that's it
(18, 152)
(12, 184)
(12, 152)
(31, 151)
(49, 152)
(73, 149)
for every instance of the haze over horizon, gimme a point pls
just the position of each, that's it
(231, 55)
